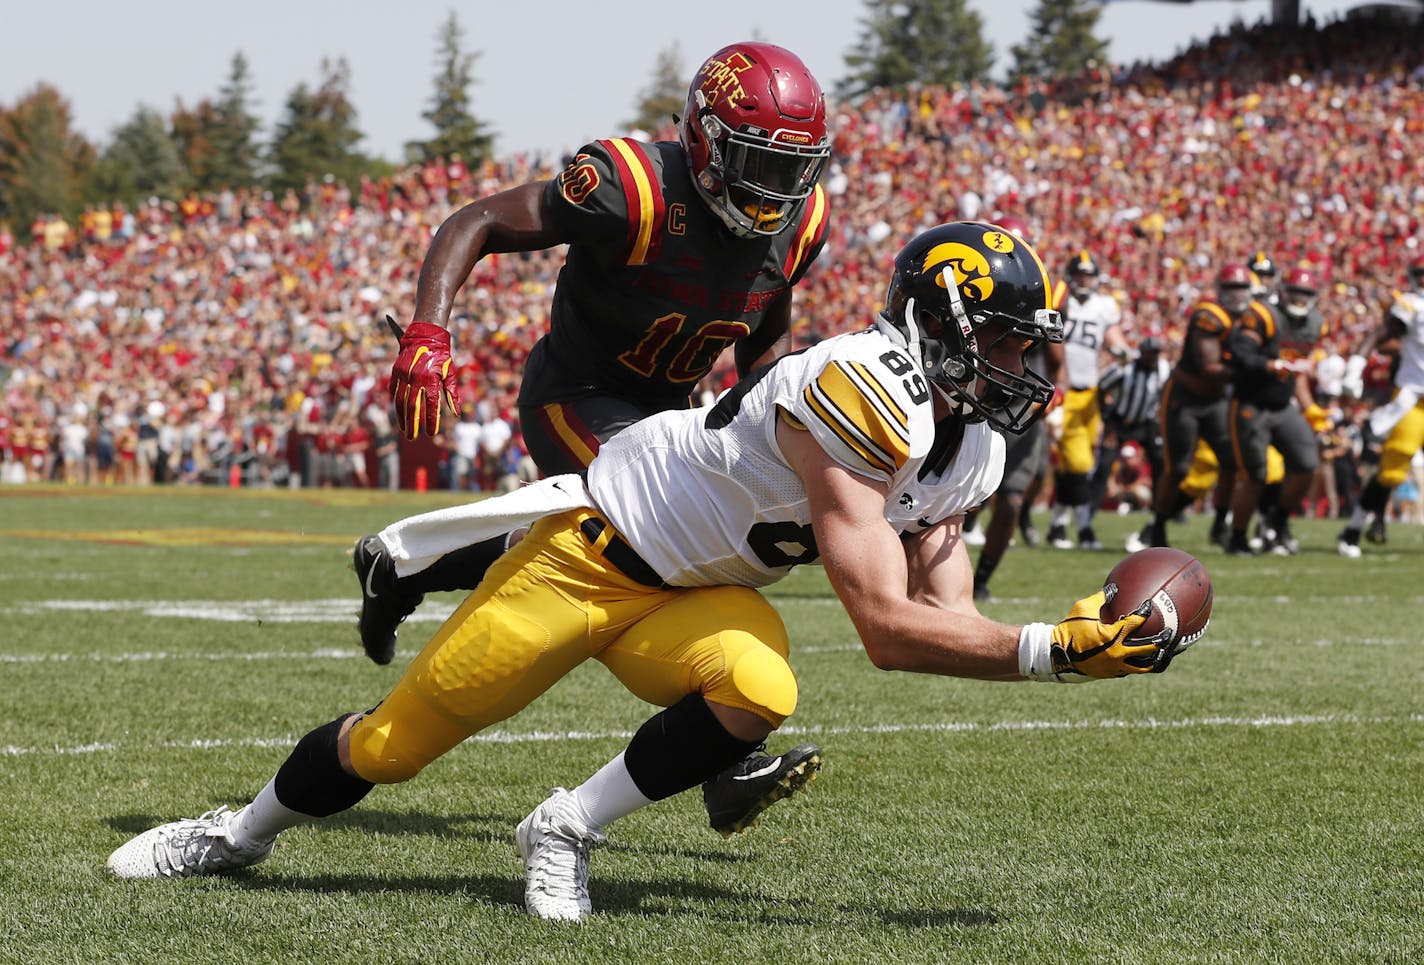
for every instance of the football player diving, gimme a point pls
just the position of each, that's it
(676, 250)
(861, 453)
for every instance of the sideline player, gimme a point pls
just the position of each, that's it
(676, 250)
(1400, 422)
(1091, 325)
(862, 452)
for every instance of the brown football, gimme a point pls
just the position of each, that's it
(1180, 590)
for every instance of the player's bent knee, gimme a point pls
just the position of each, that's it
(388, 750)
(758, 680)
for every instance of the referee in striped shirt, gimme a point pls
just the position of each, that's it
(1129, 393)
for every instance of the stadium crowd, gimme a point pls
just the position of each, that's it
(239, 337)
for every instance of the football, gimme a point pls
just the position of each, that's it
(1179, 588)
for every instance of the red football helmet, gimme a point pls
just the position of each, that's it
(1299, 290)
(755, 135)
(1233, 287)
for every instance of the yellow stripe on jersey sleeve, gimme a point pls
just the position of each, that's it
(862, 416)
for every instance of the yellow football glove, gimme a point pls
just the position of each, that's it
(1082, 647)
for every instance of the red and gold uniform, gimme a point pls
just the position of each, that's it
(652, 291)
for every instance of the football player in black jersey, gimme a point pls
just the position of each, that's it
(676, 250)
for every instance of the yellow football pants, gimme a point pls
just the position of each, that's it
(1403, 441)
(1082, 424)
(545, 607)
(1202, 476)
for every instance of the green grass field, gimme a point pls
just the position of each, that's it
(1261, 802)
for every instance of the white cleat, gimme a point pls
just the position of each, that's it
(974, 537)
(200, 846)
(554, 844)
(1348, 550)
(1135, 543)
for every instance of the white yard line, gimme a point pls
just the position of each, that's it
(941, 727)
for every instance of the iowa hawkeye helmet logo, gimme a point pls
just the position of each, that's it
(972, 273)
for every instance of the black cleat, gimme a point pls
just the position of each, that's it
(1375, 532)
(739, 794)
(1058, 538)
(1220, 533)
(1239, 545)
(1088, 540)
(981, 593)
(383, 607)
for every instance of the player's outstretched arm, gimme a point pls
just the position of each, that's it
(871, 571)
(866, 563)
(422, 381)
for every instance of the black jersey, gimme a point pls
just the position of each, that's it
(1282, 337)
(653, 287)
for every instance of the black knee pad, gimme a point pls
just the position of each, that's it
(680, 748)
(311, 779)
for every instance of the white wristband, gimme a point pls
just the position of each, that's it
(1036, 656)
(1036, 652)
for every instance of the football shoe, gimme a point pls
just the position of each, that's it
(739, 794)
(1375, 532)
(1088, 540)
(554, 843)
(181, 849)
(1348, 543)
(383, 606)
(1058, 538)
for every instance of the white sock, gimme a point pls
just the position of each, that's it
(1060, 515)
(265, 818)
(608, 795)
(1085, 515)
(1358, 517)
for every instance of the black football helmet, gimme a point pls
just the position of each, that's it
(1265, 271)
(958, 291)
(1082, 275)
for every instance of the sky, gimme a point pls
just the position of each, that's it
(550, 75)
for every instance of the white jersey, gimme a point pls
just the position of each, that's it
(705, 497)
(1085, 326)
(1408, 310)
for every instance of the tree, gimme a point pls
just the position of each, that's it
(1061, 43)
(194, 130)
(665, 95)
(44, 164)
(457, 131)
(318, 135)
(141, 160)
(236, 152)
(916, 42)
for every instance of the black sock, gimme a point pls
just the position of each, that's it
(1374, 498)
(680, 748)
(985, 568)
(311, 779)
(461, 570)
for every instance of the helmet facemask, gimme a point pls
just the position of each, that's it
(1298, 302)
(956, 354)
(752, 180)
(1234, 298)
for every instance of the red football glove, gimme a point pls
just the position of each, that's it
(421, 377)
